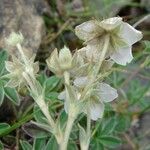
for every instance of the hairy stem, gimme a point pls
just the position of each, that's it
(44, 108)
(64, 143)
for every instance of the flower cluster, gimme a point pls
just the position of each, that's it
(106, 42)
(111, 38)
(22, 62)
(122, 37)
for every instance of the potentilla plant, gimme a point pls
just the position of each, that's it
(83, 74)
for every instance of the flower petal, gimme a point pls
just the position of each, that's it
(81, 82)
(96, 110)
(65, 58)
(106, 92)
(88, 30)
(62, 95)
(111, 23)
(122, 56)
(53, 62)
(36, 67)
(130, 34)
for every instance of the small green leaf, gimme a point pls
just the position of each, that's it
(51, 144)
(1, 95)
(96, 145)
(3, 57)
(38, 115)
(51, 96)
(42, 78)
(147, 45)
(109, 126)
(110, 141)
(123, 123)
(3, 127)
(1, 146)
(51, 83)
(35, 131)
(39, 143)
(25, 145)
(11, 93)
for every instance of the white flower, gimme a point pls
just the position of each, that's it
(16, 68)
(122, 37)
(81, 82)
(95, 97)
(14, 39)
(103, 93)
(59, 63)
(70, 96)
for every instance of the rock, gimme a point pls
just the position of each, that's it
(24, 16)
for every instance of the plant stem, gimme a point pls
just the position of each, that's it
(22, 54)
(88, 135)
(102, 57)
(88, 125)
(67, 77)
(44, 108)
(64, 143)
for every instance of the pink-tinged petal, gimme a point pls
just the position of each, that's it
(88, 30)
(130, 34)
(106, 92)
(96, 110)
(122, 56)
(111, 23)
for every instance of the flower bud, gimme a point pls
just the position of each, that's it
(59, 63)
(14, 39)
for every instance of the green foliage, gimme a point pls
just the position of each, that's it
(1, 95)
(3, 58)
(51, 144)
(3, 127)
(147, 46)
(110, 141)
(12, 95)
(25, 145)
(1, 146)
